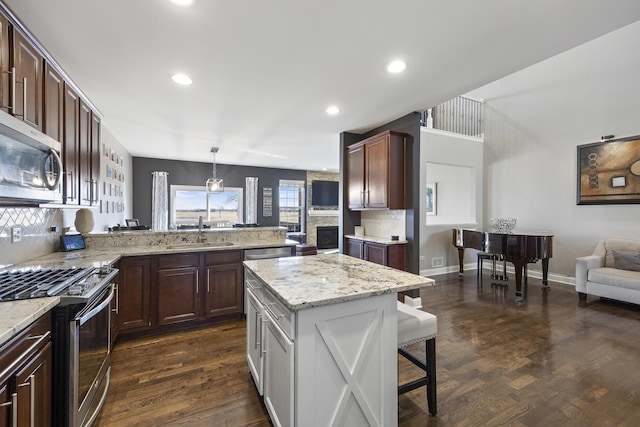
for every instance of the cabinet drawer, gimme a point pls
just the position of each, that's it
(281, 314)
(24, 344)
(253, 284)
(179, 260)
(224, 257)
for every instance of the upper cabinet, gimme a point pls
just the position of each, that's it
(21, 75)
(376, 172)
(26, 86)
(34, 88)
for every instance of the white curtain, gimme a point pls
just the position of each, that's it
(159, 202)
(251, 211)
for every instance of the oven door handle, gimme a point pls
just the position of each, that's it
(83, 317)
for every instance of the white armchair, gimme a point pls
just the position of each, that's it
(608, 272)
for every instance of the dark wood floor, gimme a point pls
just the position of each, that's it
(552, 361)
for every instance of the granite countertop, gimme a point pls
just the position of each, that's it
(96, 257)
(310, 281)
(375, 239)
(17, 315)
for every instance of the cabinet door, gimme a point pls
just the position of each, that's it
(224, 290)
(178, 295)
(376, 252)
(355, 167)
(113, 327)
(84, 154)
(377, 173)
(278, 374)
(94, 154)
(355, 248)
(28, 97)
(53, 103)
(71, 146)
(134, 293)
(5, 77)
(33, 385)
(255, 340)
(5, 403)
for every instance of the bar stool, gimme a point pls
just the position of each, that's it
(416, 326)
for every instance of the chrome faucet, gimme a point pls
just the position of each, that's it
(201, 237)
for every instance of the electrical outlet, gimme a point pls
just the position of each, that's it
(422, 258)
(16, 234)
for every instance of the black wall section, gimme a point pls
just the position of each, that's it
(409, 124)
(194, 173)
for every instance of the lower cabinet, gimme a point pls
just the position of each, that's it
(26, 375)
(303, 361)
(178, 288)
(134, 294)
(157, 291)
(391, 255)
(278, 373)
(255, 338)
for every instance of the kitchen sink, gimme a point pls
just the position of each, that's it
(199, 245)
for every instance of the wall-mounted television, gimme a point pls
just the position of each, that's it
(324, 193)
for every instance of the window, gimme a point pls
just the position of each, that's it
(189, 203)
(291, 194)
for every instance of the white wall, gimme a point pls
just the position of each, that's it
(457, 206)
(536, 118)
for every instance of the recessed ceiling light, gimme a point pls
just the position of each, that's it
(333, 110)
(396, 67)
(184, 3)
(181, 79)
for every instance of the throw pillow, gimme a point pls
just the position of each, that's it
(627, 260)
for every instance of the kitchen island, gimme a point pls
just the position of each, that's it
(321, 338)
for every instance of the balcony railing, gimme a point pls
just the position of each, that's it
(460, 115)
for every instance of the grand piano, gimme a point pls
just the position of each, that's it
(518, 249)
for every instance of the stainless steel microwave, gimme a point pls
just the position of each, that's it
(30, 165)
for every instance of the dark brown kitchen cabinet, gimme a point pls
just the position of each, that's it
(53, 100)
(27, 88)
(178, 288)
(224, 290)
(390, 255)
(376, 172)
(88, 155)
(5, 76)
(70, 146)
(26, 376)
(355, 248)
(134, 294)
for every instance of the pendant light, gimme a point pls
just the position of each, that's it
(214, 185)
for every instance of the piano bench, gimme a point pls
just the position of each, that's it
(494, 258)
(417, 326)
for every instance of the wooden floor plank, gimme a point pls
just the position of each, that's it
(551, 361)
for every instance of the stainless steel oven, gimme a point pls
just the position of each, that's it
(90, 339)
(80, 333)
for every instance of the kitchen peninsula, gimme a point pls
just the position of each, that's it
(321, 338)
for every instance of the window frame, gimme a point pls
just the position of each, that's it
(175, 187)
(302, 187)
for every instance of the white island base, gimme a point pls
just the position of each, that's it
(322, 339)
(347, 364)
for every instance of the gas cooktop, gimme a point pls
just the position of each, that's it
(38, 282)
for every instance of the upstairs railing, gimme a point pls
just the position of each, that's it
(460, 115)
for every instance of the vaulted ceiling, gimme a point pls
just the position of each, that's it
(264, 72)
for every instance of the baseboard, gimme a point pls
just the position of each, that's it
(536, 274)
(413, 302)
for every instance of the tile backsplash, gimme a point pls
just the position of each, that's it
(384, 223)
(35, 227)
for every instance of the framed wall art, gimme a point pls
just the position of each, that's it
(432, 198)
(609, 172)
